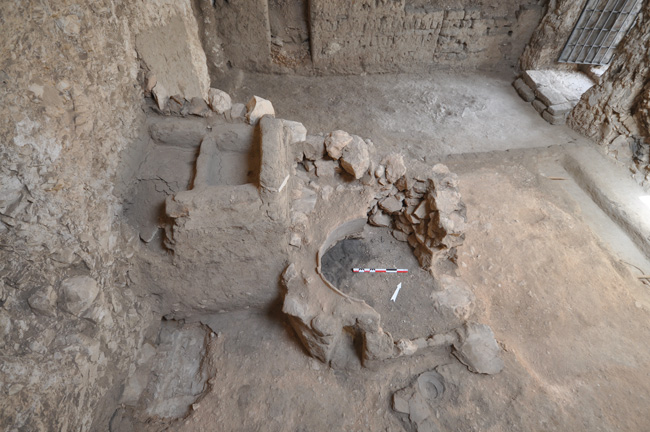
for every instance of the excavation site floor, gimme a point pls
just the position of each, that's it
(555, 278)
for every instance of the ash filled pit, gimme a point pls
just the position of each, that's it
(412, 314)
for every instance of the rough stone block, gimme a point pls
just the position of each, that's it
(554, 120)
(524, 90)
(336, 142)
(550, 96)
(561, 109)
(313, 147)
(534, 79)
(539, 106)
(395, 167)
(274, 167)
(355, 158)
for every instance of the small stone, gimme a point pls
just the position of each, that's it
(380, 171)
(295, 131)
(161, 95)
(336, 142)
(390, 205)
(325, 168)
(43, 301)
(296, 240)
(257, 108)
(198, 107)
(150, 83)
(309, 165)
(355, 158)
(238, 111)
(395, 167)
(313, 147)
(400, 236)
(421, 210)
(219, 100)
(79, 292)
(380, 219)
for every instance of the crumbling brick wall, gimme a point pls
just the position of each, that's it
(409, 35)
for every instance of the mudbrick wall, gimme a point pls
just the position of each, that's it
(409, 35)
(70, 320)
(616, 112)
(374, 36)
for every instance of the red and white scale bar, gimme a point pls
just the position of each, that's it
(379, 270)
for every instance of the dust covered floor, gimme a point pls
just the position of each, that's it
(572, 317)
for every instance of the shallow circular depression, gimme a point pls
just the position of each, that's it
(411, 315)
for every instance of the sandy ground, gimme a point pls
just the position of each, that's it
(572, 317)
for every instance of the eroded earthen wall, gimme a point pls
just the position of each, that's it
(549, 37)
(71, 321)
(616, 112)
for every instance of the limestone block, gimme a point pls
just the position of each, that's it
(219, 100)
(355, 158)
(478, 350)
(550, 96)
(535, 78)
(257, 108)
(336, 142)
(274, 169)
(560, 109)
(79, 292)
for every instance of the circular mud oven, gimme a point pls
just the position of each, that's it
(410, 222)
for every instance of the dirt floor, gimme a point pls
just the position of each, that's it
(572, 317)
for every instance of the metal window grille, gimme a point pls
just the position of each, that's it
(601, 26)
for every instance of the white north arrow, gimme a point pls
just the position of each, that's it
(394, 297)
